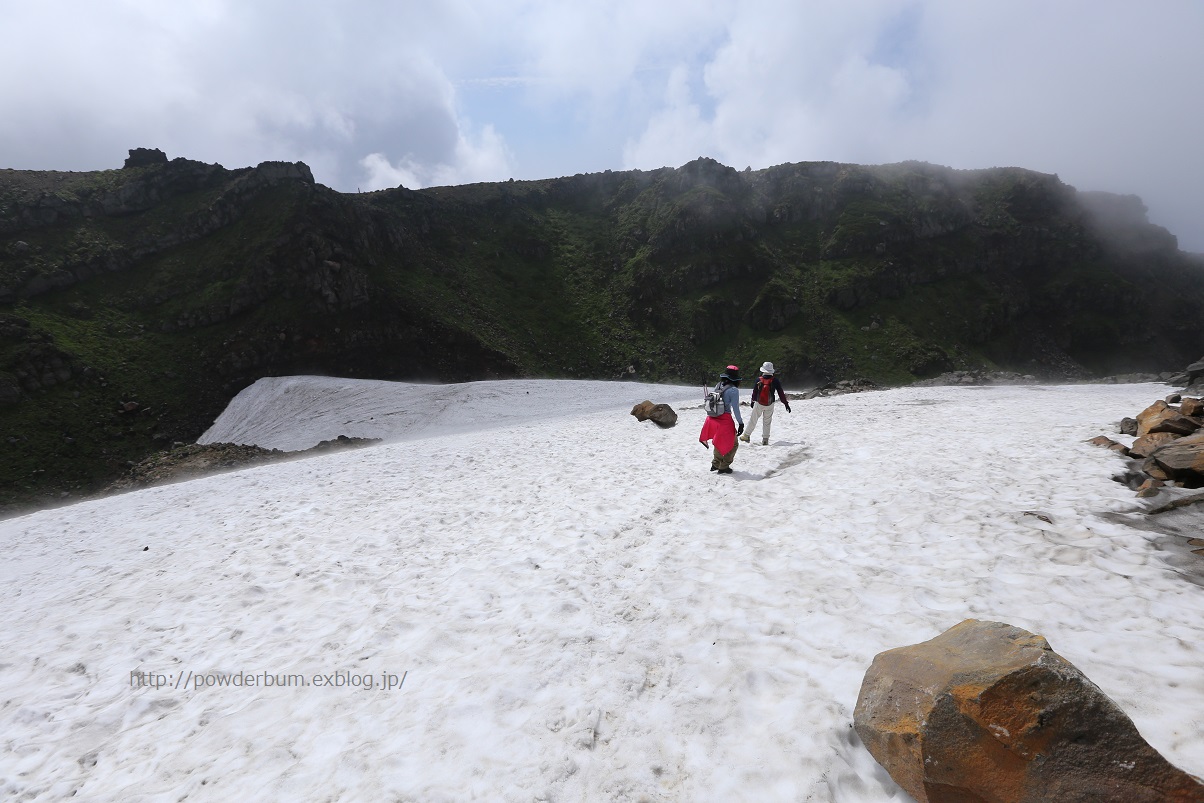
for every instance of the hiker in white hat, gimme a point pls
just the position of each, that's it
(763, 393)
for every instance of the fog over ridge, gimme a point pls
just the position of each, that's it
(373, 94)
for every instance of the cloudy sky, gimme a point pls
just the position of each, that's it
(372, 93)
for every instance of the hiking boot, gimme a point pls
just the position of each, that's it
(724, 471)
(764, 441)
(714, 468)
(744, 438)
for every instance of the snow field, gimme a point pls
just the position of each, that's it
(584, 611)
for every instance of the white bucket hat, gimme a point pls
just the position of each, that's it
(767, 368)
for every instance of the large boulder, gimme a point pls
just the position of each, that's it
(660, 414)
(1146, 444)
(1161, 417)
(1181, 460)
(989, 713)
(1192, 407)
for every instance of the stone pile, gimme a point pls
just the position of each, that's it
(1168, 445)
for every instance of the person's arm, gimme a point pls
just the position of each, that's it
(734, 404)
(781, 393)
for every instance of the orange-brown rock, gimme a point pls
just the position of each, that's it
(1154, 470)
(1108, 443)
(1181, 460)
(989, 713)
(1149, 488)
(1192, 407)
(1161, 417)
(1146, 444)
(641, 410)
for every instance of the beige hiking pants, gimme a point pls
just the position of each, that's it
(763, 412)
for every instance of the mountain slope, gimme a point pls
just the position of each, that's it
(135, 303)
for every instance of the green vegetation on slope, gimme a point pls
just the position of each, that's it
(135, 303)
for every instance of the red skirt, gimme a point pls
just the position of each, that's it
(722, 430)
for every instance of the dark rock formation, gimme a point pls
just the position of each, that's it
(989, 713)
(141, 157)
(662, 415)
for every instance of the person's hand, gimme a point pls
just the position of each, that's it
(788, 408)
(740, 431)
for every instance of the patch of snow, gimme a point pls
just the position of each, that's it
(584, 611)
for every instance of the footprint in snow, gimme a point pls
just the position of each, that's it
(792, 458)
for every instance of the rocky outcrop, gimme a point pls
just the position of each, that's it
(143, 157)
(71, 199)
(989, 713)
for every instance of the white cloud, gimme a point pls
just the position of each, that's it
(790, 83)
(1099, 93)
(1102, 92)
(675, 130)
(485, 159)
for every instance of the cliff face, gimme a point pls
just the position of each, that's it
(135, 303)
